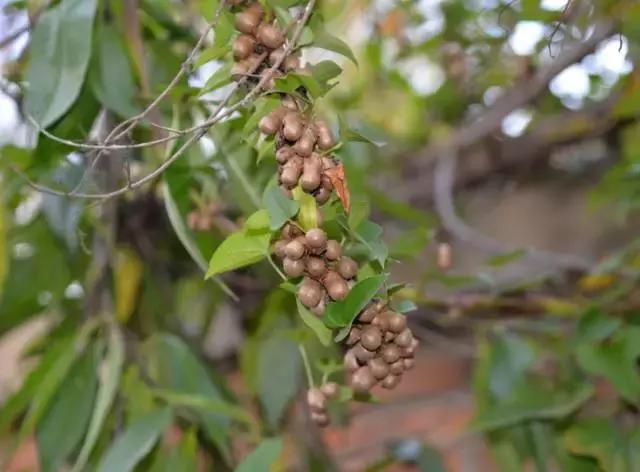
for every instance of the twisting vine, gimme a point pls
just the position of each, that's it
(380, 346)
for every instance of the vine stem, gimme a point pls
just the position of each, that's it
(307, 366)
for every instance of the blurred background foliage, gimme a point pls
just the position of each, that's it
(530, 97)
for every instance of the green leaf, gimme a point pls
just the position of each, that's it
(59, 53)
(324, 71)
(182, 457)
(219, 78)
(533, 404)
(359, 213)
(135, 442)
(262, 457)
(277, 386)
(257, 222)
(615, 359)
(280, 207)
(239, 250)
(324, 40)
(317, 326)
(172, 366)
(71, 407)
(110, 74)
(308, 214)
(341, 314)
(108, 387)
(616, 451)
(594, 326)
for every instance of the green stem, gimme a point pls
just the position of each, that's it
(276, 268)
(307, 366)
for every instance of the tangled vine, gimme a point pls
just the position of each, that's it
(379, 344)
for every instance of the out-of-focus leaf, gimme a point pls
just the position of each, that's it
(594, 326)
(324, 40)
(183, 456)
(405, 306)
(59, 53)
(173, 367)
(110, 74)
(341, 314)
(532, 404)
(186, 238)
(616, 359)
(317, 326)
(600, 438)
(127, 275)
(219, 78)
(137, 396)
(359, 213)
(276, 387)
(71, 410)
(262, 457)
(280, 207)
(425, 457)
(135, 442)
(308, 214)
(107, 389)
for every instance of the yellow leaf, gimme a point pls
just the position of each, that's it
(308, 214)
(127, 275)
(596, 282)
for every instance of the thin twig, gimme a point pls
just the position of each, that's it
(216, 116)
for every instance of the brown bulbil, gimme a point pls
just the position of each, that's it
(278, 248)
(240, 69)
(319, 309)
(270, 35)
(390, 382)
(334, 250)
(337, 287)
(291, 231)
(293, 127)
(354, 336)
(379, 368)
(325, 136)
(289, 103)
(389, 336)
(275, 56)
(316, 400)
(248, 20)
(368, 314)
(293, 268)
(320, 419)
(397, 367)
(243, 46)
(363, 355)
(292, 62)
(310, 293)
(316, 267)
(304, 145)
(328, 162)
(322, 195)
(291, 172)
(311, 177)
(271, 123)
(326, 183)
(371, 338)
(362, 380)
(404, 339)
(397, 322)
(408, 363)
(330, 389)
(295, 249)
(390, 353)
(316, 238)
(381, 321)
(350, 361)
(347, 267)
(283, 154)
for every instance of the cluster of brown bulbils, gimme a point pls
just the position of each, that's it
(380, 345)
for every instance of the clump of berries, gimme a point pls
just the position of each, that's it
(381, 348)
(300, 144)
(328, 274)
(260, 46)
(317, 399)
